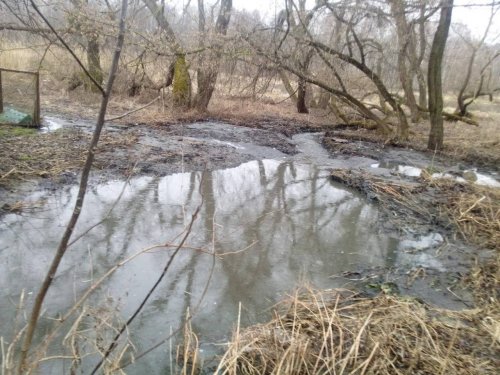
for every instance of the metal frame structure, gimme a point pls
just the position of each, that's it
(36, 110)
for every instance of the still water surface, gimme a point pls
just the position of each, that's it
(278, 222)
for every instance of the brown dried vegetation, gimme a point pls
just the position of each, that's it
(338, 332)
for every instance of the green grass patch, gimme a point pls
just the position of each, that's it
(16, 131)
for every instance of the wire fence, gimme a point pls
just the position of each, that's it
(19, 97)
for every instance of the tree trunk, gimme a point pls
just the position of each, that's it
(303, 64)
(323, 99)
(404, 43)
(407, 82)
(422, 44)
(434, 77)
(301, 96)
(181, 89)
(182, 81)
(288, 86)
(381, 99)
(94, 62)
(422, 90)
(93, 50)
(207, 73)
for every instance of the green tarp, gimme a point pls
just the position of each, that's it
(14, 117)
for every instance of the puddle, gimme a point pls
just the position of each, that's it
(50, 124)
(280, 221)
(310, 151)
(54, 123)
(294, 224)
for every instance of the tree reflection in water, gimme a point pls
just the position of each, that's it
(302, 226)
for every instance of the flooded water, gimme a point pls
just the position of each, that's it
(263, 228)
(277, 222)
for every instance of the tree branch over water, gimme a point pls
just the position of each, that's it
(63, 245)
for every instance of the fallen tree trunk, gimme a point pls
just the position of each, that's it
(453, 117)
(456, 117)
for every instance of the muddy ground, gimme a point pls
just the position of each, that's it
(55, 156)
(31, 161)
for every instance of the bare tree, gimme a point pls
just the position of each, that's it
(405, 45)
(435, 84)
(410, 20)
(208, 70)
(81, 25)
(180, 77)
(475, 47)
(297, 21)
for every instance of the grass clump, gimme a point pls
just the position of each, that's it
(475, 211)
(475, 214)
(339, 332)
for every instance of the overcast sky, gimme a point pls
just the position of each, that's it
(469, 12)
(474, 17)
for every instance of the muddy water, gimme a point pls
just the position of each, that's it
(272, 223)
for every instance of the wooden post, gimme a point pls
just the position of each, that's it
(36, 112)
(1, 93)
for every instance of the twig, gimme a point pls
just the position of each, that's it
(134, 110)
(63, 245)
(8, 173)
(471, 207)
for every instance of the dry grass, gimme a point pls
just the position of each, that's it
(466, 209)
(47, 155)
(478, 145)
(475, 212)
(484, 280)
(245, 110)
(337, 332)
(188, 359)
(471, 210)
